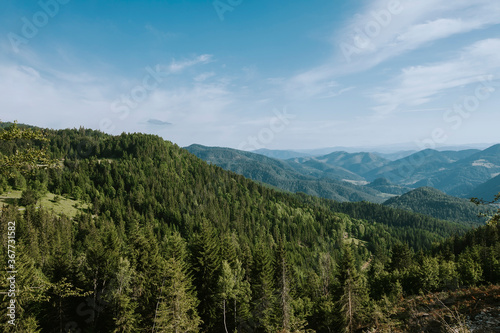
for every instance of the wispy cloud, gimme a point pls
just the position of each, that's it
(385, 30)
(178, 66)
(31, 91)
(29, 96)
(204, 76)
(420, 84)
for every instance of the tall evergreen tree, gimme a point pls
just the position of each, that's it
(207, 269)
(122, 300)
(263, 290)
(283, 278)
(351, 294)
(176, 311)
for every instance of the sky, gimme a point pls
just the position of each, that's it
(257, 74)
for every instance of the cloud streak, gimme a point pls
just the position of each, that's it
(385, 30)
(420, 84)
(411, 25)
(179, 66)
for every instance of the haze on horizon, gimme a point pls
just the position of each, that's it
(257, 74)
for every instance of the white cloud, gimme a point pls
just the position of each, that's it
(30, 97)
(420, 84)
(204, 76)
(434, 30)
(179, 66)
(387, 29)
(41, 95)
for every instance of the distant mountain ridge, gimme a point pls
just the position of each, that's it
(287, 175)
(390, 152)
(280, 154)
(365, 176)
(455, 172)
(358, 163)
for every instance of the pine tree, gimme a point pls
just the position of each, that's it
(124, 305)
(235, 290)
(30, 292)
(176, 311)
(263, 288)
(401, 257)
(227, 289)
(283, 278)
(207, 268)
(352, 294)
(324, 284)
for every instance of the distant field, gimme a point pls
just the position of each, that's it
(64, 205)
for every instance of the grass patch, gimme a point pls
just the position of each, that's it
(59, 205)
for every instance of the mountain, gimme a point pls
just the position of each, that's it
(486, 191)
(460, 178)
(453, 172)
(489, 158)
(419, 166)
(432, 202)
(319, 170)
(286, 175)
(456, 173)
(280, 154)
(395, 156)
(358, 163)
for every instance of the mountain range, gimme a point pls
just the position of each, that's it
(288, 176)
(456, 173)
(367, 176)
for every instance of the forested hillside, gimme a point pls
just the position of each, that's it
(165, 242)
(432, 202)
(487, 190)
(385, 186)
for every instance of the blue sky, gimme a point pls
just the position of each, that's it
(257, 74)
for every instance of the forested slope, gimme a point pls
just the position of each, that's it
(170, 243)
(432, 202)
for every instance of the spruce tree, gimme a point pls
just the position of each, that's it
(207, 268)
(263, 289)
(176, 311)
(352, 295)
(283, 278)
(121, 298)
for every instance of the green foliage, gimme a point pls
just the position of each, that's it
(493, 218)
(176, 311)
(170, 242)
(29, 197)
(352, 296)
(26, 154)
(437, 204)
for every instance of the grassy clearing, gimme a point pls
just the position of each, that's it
(58, 204)
(355, 241)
